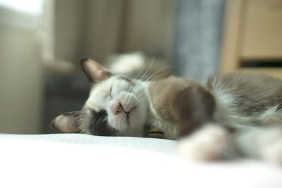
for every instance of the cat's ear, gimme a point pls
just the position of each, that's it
(67, 122)
(93, 70)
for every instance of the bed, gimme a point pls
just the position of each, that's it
(77, 160)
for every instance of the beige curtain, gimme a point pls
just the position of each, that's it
(96, 28)
(46, 31)
(103, 32)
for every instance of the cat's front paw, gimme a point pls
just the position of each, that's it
(207, 143)
(272, 146)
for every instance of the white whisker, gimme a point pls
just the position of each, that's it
(145, 74)
(162, 74)
(149, 67)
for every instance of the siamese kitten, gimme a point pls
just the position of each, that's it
(201, 116)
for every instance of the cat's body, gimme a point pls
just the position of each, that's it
(203, 116)
(179, 106)
(234, 101)
(251, 100)
(200, 116)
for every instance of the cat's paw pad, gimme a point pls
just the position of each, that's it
(205, 144)
(272, 146)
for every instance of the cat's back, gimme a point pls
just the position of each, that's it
(235, 81)
(248, 93)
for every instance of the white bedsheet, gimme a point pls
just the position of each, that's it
(76, 160)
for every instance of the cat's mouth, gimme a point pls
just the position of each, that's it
(128, 114)
(122, 118)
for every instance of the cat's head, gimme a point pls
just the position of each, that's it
(116, 106)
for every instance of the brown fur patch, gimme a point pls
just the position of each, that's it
(184, 103)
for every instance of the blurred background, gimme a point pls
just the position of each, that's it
(42, 41)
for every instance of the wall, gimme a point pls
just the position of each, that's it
(97, 28)
(20, 78)
(149, 26)
(70, 24)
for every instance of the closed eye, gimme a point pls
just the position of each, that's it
(111, 91)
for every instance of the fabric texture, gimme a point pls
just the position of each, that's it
(77, 160)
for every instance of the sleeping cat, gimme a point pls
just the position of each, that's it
(201, 117)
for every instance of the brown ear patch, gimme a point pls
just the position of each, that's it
(93, 70)
(68, 122)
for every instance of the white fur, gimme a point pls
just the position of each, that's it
(224, 100)
(261, 143)
(222, 96)
(207, 143)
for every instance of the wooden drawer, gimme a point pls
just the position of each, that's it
(261, 29)
(274, 72)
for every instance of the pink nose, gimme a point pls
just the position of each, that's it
(117, 108)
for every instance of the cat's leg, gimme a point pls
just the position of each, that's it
(205, 144)
(201, 138)
(263, 143)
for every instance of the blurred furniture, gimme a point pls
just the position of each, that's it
(253, 37)
(63, 93)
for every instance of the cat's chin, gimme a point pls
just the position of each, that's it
(124, 123)
(119, 122)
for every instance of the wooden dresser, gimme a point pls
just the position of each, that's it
(253, 37)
